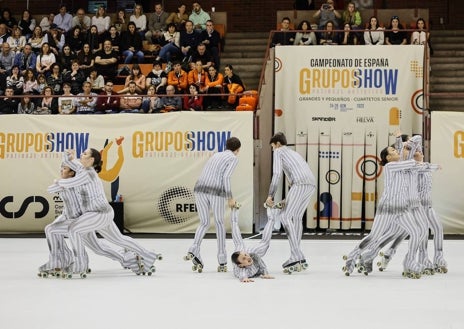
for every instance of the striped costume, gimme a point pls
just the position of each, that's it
(258, 267)
(212, 190)
(97, 216)
(302, 186)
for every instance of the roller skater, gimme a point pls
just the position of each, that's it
(248, 262)
(212, 190)
(302, 186)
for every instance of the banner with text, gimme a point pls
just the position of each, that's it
(153, 161)
(340, 106)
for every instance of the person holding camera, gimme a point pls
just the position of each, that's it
(326, 13)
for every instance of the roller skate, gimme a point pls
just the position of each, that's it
(290, 267)
(383, 262)
(278, 205)
(349, 265)
(68, 271)
(411, 274)
(45, 271)
(364, 267)
(440, 265)
(197, 263)
(304, 264)
(428, 268)
(222, 268)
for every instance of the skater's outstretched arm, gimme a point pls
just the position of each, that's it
(236, 234)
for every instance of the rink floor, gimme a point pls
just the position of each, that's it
(175, 297)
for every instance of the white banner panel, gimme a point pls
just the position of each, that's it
(447, 150)
(356, 97)
(154, 166)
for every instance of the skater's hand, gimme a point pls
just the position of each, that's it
(269, 201)
(231, 202)
(247, 280)
(266, 276)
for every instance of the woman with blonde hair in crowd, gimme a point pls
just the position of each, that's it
(16, 41)
(140, 20)
(102, 21)
(179, 18)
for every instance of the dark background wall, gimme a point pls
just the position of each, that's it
(259, 15)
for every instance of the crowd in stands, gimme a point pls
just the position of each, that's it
(334, 27)
(65, 64)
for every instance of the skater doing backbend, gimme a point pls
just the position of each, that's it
(425, 194)
(97, 214)
(60, 255)
(302, 185)
(212, 190)
(248, 262)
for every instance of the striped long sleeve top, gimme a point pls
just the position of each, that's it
(216, 174)
(295, 168)
(71, 200)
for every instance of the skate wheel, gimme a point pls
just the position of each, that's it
(138, 273)
(444, 270)
(365, 273)
(149, 273)
(159, 257)
(345, 257)
(379, 264)
(89, 270)
(83, 275)
(381, 254)
(381, 269)
(200, 269)
(347, 273)
(153, 268)
(194, 268)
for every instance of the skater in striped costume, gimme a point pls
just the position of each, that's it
(212, 190)
(302, 185)
(60, 255)
(425, 194)
(97, 214)
(248, 262)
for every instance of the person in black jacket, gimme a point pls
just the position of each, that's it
(131, 44)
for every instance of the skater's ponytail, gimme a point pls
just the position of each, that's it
(97, 162)
(383, 156)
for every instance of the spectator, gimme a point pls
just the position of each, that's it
(106, 61)
(156, 25)
(115, 39)
(348, 37)
(66, 101)
(306, 36)
(139, 19)
(352, 16)
(120, 21)
(63, 20)
(421, 36)
(211, 39)
(157, 78)
(55, 39)
(171, 102)
(86, 59)
(199, 17)
(45, 60)
(30, 82)
(132, 102)
(85, 103)
(82, 21)
(179, 18)
(8, 104)
(171, 44)
(46, 22)
(326, 13)
(203, 55)
(110, 103)
(47, 104)
(329, 36)
(136, 77)
(4, 35)
(26, 106)
(197, 77)
(6, 63)
(189, 39)
(374, 33)
(76, 39)
(66, 58)
(151, 103)
(395, 34)
(16, 41)
(41, 83)
(15, 81)
(55, 79)
(75, 77)
(214, 85)
(93, 39)
(97, 82)
(26, 59)
(8, 20)
(178, 79)
(131, 44)
(193, 102)
(285, 36)
(27, 24)
(233, 85)
(102, 21)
